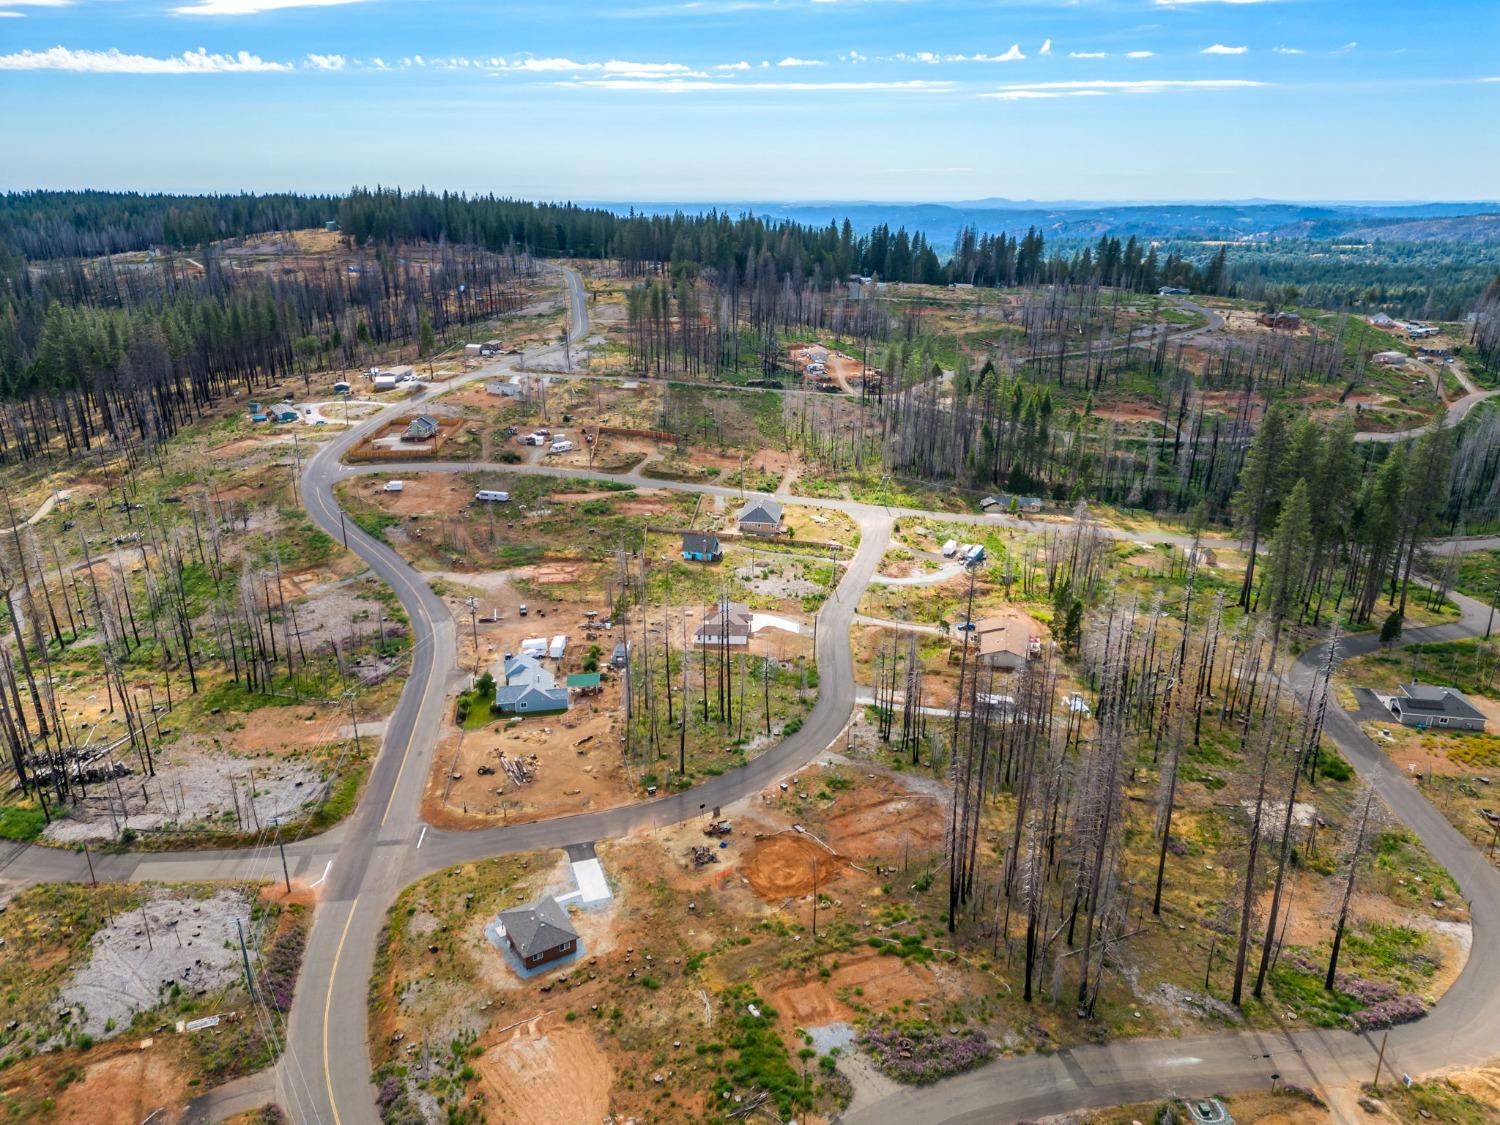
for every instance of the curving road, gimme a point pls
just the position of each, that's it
(1463, 1028)
(362, 865)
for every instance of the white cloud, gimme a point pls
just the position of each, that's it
(1038, 95)
(11, 15)
(32, 4)
(1086, 88)
(1045, 48)
(252, 7)
(1139, 54)
(1013, 55)
(1290, 51)
(793, 61)
(1494, 79)
(1088, 54)
(1352, 45)
(695, 86)
(326, 62)
(644, 69)
(544, 65)
(1187, 3)
(115, 61)
(1220, 49)
(741, 65)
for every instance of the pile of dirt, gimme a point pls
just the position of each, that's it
(784, 866)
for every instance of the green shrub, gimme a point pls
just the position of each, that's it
(1331, 765)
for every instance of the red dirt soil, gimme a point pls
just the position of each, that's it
(783, 866)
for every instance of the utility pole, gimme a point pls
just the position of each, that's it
(354, 721)
(245, 957)
(281, 847)
(1380, 1061)
(474, 628)
(93, 882)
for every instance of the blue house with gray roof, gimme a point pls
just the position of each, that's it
(524, 687)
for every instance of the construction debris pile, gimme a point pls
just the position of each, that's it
(521, 771)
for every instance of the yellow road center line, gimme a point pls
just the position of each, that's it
(417, 723)
(327, 1011)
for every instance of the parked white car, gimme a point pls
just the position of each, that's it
(492, 495)
(562, 445)
(392, 486)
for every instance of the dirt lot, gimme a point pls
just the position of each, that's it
(426, 494)
(126, 1085)
(568, 777)
(548, 1071)
(640, 1002)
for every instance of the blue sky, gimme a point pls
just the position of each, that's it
(758, 99)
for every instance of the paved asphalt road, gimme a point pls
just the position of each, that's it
(360, 866)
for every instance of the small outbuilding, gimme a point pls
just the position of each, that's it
(539, 933)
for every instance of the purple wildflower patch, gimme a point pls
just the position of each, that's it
(278, 975)
(922, 1055)
(1388, 1013)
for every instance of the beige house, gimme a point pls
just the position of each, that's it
(1003, 643)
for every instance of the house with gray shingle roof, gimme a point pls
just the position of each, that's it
(424, 427)
(759, 517)
(539, 933)
(701, 546)
(1426, 705)
(524, 687)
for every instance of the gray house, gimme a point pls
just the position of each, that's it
(759, 517)
(1425, 705)
(539, 933)
(524, 687)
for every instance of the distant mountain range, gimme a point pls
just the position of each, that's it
(1076, 220)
